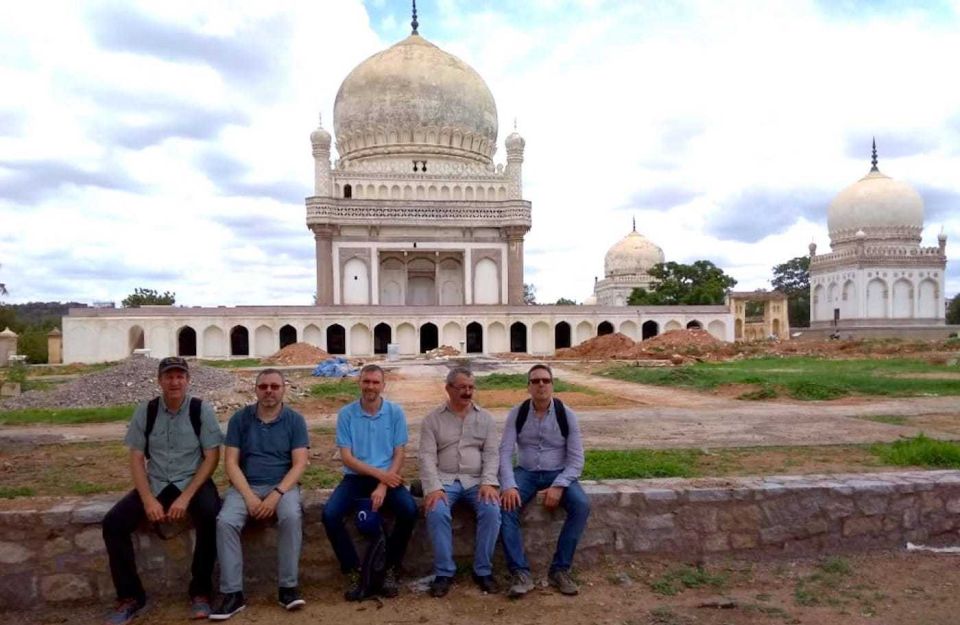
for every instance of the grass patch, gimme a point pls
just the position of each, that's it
(639, 464)
(919, 451)
(87, 488)
(320, 477)
(766, 391)
(887, 418)
(803, 378)
(677, 580)
(518, 381)
(235, 363)
(12, 492)
(66, 416)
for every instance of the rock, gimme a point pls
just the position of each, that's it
(64, 587)
(12, 553)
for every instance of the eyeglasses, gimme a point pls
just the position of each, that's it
(540, 381)
(464, 387)
(272, 387)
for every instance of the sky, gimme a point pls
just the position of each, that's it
(165, 145)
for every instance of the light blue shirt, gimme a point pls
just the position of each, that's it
(371, 438)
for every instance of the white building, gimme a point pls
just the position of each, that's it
(877, 273)
(625, 268)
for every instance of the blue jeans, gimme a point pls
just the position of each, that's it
(574, 501)
(343, 501)
(441, 535)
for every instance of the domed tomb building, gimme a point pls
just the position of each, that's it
(415, 212)
(625, 268)
(877, 273)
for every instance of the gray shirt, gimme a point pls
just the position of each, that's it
(175, 451)
(454, 449)
(542, 447)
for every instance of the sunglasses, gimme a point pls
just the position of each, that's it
(272, 387)
(540, 381)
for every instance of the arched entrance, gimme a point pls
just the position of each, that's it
(382, 336)
(694, 325)
(428, 337)
(649, 330)
(561, 335)
(239, 341)
(336, 339)
(474, 338)
(135, 338)
(186, 341)
(288, 336)
(605, 327)
(518, 337)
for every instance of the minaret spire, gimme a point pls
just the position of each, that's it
(414, 23)
(634, 223)
(874, 159)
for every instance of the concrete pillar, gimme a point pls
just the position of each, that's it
(54, 347)
(8, 346)
(515, 264)
(323, 236)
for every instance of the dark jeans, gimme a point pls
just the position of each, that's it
(343, 501)
(124, 518)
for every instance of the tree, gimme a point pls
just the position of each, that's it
(953, 311)
(3, 287)
(676, 283)
(148, 297)
(793, 279)
(529, 294)
(563, 301)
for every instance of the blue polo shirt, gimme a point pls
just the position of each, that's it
(265, 448)
(371, 438)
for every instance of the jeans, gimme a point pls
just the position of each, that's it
(127, 514)
(439, 522)
(573, 500)
(343, 502)
(230, 522)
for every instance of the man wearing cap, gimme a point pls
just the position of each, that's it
(546, 435)
(372, 437)
(174, 443)
(458, 461)
(265, 454)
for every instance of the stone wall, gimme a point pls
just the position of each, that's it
(52, 551)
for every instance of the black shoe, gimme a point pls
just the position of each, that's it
(227, 605)
(354, 592)
(440, 586)
(290, 598)
(486, 583)
(390, 588)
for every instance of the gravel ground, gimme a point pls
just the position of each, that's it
(133, 380)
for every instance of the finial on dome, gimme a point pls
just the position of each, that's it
(874, 159)
(634, 223)
(514, 124)
(319, 120)
(414, 23)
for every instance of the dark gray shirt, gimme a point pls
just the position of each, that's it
(541, 447)
(175, 450)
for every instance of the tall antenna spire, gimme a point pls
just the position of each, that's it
(414, 23)
(874, 159)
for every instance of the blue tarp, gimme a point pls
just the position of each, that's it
(336, 367)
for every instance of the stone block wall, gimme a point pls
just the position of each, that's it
(51, 551)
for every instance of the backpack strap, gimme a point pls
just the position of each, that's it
(560, 409)
(153, 406)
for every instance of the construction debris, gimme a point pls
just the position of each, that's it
(298, 354)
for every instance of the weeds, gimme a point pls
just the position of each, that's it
(234, 363)
(12, 492)
(66, 415)
(639, 464)
(919, 451)
(679, 579)
(518, 381)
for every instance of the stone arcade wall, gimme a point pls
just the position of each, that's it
(53, 552)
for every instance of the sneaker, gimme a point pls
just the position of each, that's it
(391, 588)
(520, 584)
(353, 592)
(227, 605)
(486, 583)
(440, 586)
(562, 581)
(125, 611)
(290, 598)
(199, 607)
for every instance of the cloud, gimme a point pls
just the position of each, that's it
(938, 203)
(753, 214)
(11, 123)
(891, 143)
(249, 55)
(34, 180)
(664, 197)
(229, 175)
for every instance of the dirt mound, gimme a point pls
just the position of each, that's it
(298, 354)
(131, 381)
(614, 345)
(683, 338)
(444, 351)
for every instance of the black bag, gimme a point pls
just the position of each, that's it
(373, 569)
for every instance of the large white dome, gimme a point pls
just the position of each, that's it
(879, 206)
(415, 99)
(633, 255)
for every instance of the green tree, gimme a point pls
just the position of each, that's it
(563, 301)
(148, 297)
(529, 294)
(953, 311)
(3, 287)
(701, 282)
(793, 279)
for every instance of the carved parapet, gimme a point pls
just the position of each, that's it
(420, 213)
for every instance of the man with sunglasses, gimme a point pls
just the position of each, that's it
(265, 456)
(458, 461)
(546, 435)
(174, 442)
